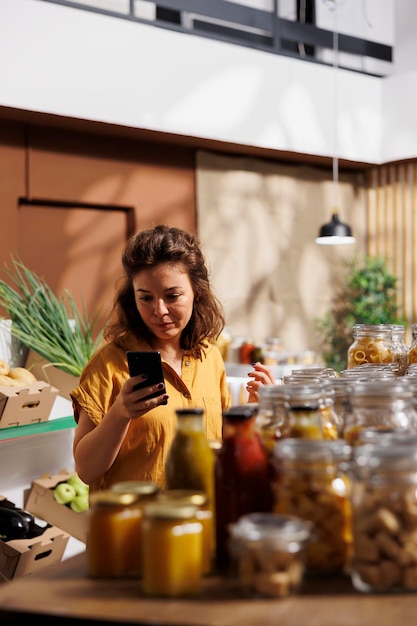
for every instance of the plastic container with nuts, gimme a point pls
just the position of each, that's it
(384, 517)
(268, 553)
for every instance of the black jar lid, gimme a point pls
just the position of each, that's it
(241, 413)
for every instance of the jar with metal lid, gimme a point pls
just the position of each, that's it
(372, 343)
(384, 517)
(204, 514)
(113, 545)
(380, 404)
(268, 554)
(399, 348)
(310, 411)
(312, 484)
(172, 549)
(412, 350)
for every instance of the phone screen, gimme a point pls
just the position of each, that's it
(146, 363)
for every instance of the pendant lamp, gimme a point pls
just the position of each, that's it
(335, 232)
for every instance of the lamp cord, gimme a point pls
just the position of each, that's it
(335, 102)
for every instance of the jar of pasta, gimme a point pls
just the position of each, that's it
(372, 343)
(312, 484)
(388, 403)
(384, 517)
(172, 549)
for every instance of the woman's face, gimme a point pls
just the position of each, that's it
(164, 298)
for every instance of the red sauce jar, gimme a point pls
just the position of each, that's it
(242, 476)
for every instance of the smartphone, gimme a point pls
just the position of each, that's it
(146, 363)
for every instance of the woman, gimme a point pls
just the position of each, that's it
(164, 303)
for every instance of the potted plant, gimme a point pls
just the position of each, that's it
(53, 328)
(367, 296)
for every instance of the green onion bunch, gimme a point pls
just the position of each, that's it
(53, 328)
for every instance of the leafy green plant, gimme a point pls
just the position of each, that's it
(53, 328)
(367, 296)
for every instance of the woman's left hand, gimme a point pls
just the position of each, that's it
(260, 375)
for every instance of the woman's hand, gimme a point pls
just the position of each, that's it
(261, 375)
(132, 403)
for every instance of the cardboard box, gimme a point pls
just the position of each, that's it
(43, 370)
(29, 404)
(41, 502)
(21, 557)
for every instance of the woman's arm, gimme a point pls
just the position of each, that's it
(96, 446)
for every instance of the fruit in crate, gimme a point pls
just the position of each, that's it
(15, 376)
(73, 493)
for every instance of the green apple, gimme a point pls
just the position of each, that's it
(81, 488)
(64, 493)
(79, 503)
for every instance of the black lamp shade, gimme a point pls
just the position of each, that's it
(335, 232)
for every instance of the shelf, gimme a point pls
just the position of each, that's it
(49, 426)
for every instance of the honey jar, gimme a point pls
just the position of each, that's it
(113, 546)
(172, 550)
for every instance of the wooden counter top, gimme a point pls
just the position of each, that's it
(61, 594)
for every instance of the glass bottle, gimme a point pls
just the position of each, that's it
(372, 343)
(312, 484)
(272, 415)
(172, 550)
(242, 476)
(310, 410)
(190, 461)
(384, 517)
(379, 404)
(399, 349)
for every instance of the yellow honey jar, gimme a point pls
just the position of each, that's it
(172, 549)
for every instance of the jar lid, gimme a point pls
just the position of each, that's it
(183, 496)
(189, 411)
(109, 497)
(170, 510)
(241, 413)
(272, 527)
(139, 487)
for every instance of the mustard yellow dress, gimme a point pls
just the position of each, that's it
(144, 451)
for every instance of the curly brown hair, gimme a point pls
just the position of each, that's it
(147, 249)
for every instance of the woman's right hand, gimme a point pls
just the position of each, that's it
(133, 403)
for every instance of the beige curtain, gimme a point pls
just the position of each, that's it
(257, 222)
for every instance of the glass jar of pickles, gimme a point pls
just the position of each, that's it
(312, 484)
(268, 554)
(172, 549)
(384, 517)
(372, 343)
(203, 514)
(113, 545)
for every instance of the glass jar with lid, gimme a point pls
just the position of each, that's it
(399, 348)
(412, 350)
(113, 545)
(272, 415)
(310, 410)
(312, 483)
(384, 517)
(380, 404)
(268, 554)
(372, 343)
(172, 549)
